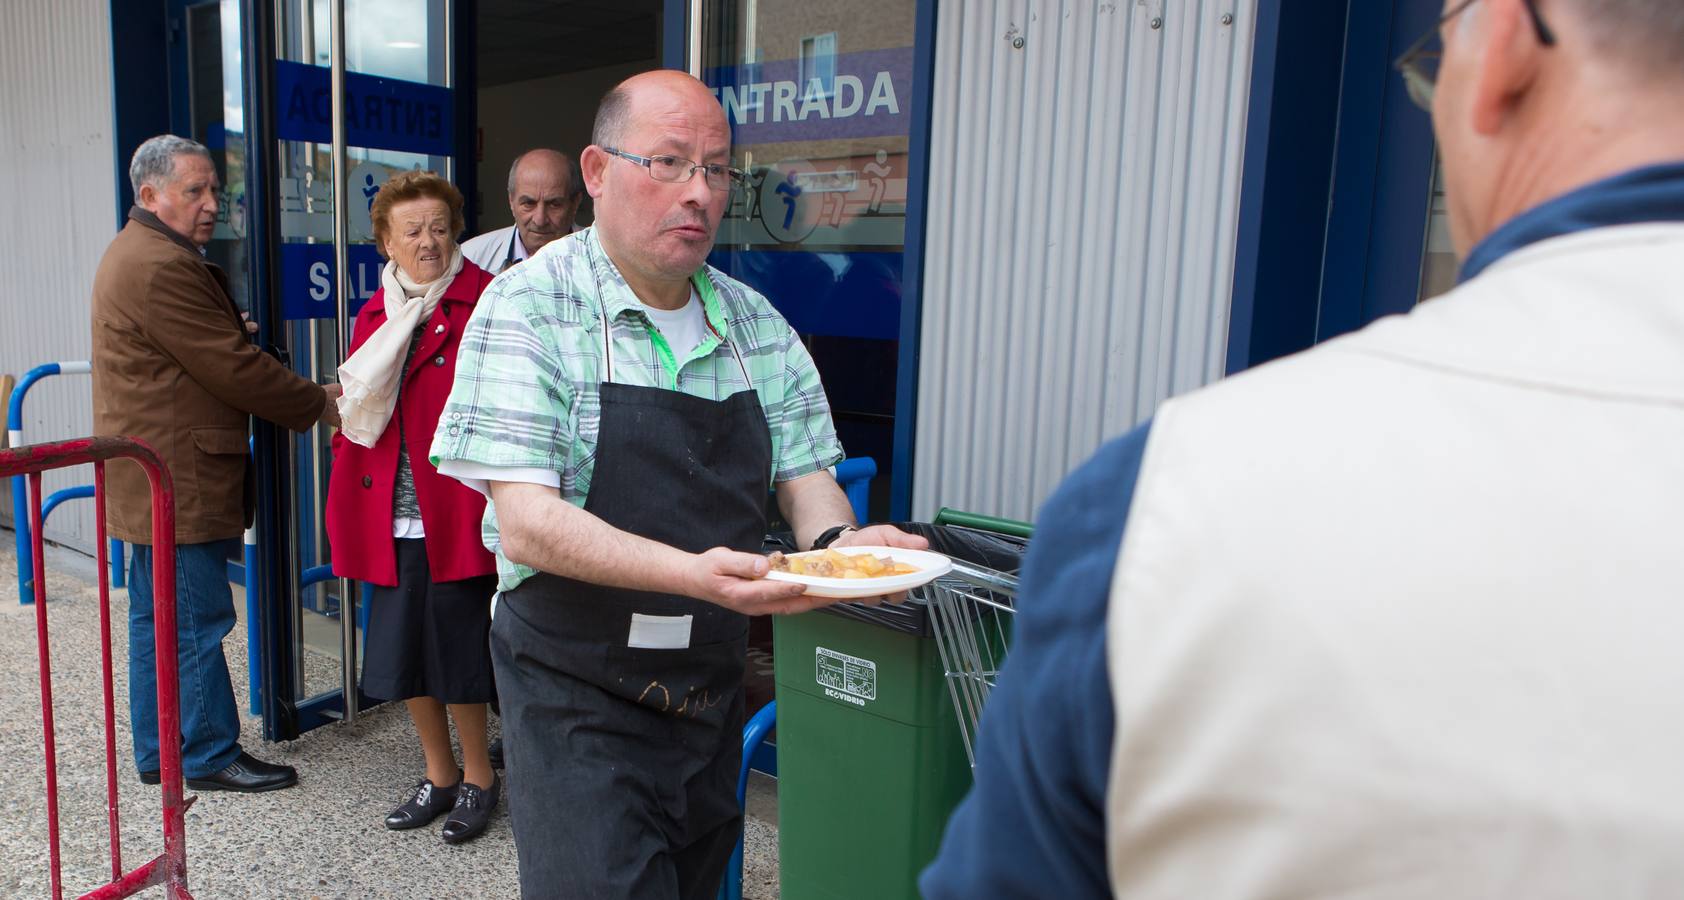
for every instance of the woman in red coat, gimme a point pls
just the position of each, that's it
(394, 522)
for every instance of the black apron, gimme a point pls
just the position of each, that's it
(622, 760)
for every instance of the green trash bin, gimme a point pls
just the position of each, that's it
(870, 758)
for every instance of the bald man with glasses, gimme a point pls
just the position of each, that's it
(628, 408)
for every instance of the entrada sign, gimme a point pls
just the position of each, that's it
(380, 113)
(863, 94)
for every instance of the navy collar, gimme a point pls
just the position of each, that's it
(1649, 194)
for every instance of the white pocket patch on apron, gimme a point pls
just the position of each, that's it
(659, 632)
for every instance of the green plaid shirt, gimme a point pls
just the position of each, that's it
(531, 360)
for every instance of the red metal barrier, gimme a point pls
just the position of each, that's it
(170, 868)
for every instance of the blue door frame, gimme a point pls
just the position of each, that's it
(912, 296)
(1338, 175)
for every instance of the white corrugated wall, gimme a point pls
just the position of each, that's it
(56, 130)
(1083, 207)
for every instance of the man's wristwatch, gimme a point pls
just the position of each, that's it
(829, 535)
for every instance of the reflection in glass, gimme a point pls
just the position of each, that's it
(215, 116)
(819, 100)
(391, 38)
(1438, 262)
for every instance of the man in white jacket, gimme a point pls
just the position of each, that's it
(544, 193)
(1400, 616)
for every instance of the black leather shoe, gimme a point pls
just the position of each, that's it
(247, 775)
(152, 777)
(495, 751)
(427, 803)
(474, 805)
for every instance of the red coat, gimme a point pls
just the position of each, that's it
(359, 495)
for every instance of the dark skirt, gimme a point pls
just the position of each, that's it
(427, 639)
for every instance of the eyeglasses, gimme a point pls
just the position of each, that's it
(1419, 64)
(677, 170)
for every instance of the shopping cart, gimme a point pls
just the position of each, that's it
(970, 613)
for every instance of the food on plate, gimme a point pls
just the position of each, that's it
(831, 564)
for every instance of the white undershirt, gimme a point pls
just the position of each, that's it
(479, 476)
(683, 327)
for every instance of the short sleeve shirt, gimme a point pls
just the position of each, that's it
(528, 374)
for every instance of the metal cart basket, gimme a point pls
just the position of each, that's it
(970, 613)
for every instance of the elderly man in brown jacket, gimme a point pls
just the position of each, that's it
(172, 366)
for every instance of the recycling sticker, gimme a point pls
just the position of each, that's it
(843, 677)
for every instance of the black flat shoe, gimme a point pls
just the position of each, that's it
(427, 803)
(152, 777)
(247, 775)
(495, 751)
(473, 810)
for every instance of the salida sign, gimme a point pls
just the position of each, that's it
(775, 101)
(307, 283)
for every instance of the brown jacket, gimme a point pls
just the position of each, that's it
(172, 367)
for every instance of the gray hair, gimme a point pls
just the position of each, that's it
(575, 180)
(154, 159)
(612, 116)
(1649, 33)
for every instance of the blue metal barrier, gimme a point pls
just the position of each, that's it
(754, 736)
(20, 488)
(254, 646)
(317, 574)
(854, 477)
(79, 492)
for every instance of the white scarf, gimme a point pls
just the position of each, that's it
(371, 376)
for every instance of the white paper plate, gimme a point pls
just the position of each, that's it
(930, 567)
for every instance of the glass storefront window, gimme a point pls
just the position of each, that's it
(394, 38)
(819, 100)
(216, 117)
(400, 39)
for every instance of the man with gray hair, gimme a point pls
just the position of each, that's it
(1397, 617)
(173, 366)
(544, 194)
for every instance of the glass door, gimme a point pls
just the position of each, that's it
(819, 98)
(395, 111)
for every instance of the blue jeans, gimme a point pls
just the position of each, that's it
(204, 615)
